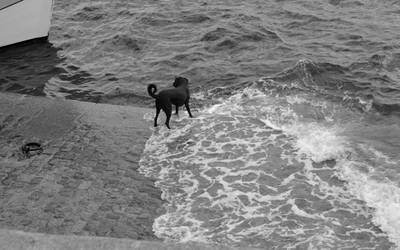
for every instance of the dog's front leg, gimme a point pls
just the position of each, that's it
(168, 118)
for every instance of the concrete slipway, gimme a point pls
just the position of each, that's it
(85, 184)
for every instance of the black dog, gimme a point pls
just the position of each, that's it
(177, 96)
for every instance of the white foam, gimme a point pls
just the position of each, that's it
(318, 142)
(383, 197)
(241, 126)
(180, 222)
(300, 212)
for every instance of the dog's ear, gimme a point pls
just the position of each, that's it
(184, 80)
(176, 82)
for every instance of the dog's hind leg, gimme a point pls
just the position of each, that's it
(187, 108)
(167, 107)
(155, 118)
(176, 109)
(168, 113)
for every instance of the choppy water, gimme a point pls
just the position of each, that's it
(296, 135)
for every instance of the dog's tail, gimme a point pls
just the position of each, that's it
(152, 89)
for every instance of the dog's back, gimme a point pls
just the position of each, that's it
(177, 94)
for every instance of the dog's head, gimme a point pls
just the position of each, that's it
(180, 81)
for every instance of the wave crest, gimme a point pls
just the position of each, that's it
(339, 83)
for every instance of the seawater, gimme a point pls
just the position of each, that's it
(296, 137)
(109, 50)
(270, 169)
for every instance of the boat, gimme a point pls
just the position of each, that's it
(23, 20)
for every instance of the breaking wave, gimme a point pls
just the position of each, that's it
(273, 169)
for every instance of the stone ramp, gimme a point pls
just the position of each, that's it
(16, 240)
(86, 181)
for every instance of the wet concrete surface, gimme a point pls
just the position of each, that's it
(85, 182)
(16, 240)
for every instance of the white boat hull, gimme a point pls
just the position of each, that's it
(24, 20)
